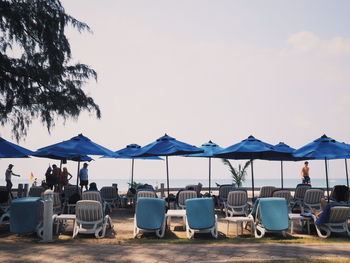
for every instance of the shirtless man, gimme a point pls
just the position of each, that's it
(305, 177)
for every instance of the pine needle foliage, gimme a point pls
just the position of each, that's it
(37, 80)
(238, 175)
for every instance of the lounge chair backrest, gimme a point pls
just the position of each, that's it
(146, 194)
(70, 190)
(339, 214)
(150, 213)
(313, 196)
(92, 195)
(88, 211)
(283, 194)
(196, 187)
(273, 213)
(266, 191)
(300, 191)
(109, 192)
(20, 191)
(237, 198)
(224, 190)
(184, 195)
(36, 191)
(200, 213)
(4, 196)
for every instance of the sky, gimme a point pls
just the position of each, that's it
(206, 70)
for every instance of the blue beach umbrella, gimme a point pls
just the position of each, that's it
(284, 154)
(77, 146)
(11, 150)
(127, 153)
(167, 146)
(248, 149)
(324, 148)
(209, 150)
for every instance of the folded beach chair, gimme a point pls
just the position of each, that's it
(150, 216)
(90, 219)
(266, 191)
(237, 203)
(224, 189)
(200, 217)
(270, 214)
(110, 196)
(337, 222)
(312, 199)
(183, 196)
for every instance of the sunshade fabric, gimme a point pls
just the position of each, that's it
(323, 148)
(78, 145)
(11, 150)
(128, 153)
(167, 146)
(209, 150)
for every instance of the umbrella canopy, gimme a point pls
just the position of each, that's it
(250, 148)
(127, 153)
(62, 156)
(167, 146)
(78, 145)
(209, 150)
(324, 148)
(11, 150)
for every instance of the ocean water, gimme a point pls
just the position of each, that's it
(288, 182)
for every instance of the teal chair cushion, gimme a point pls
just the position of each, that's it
(150, 213)
(200, 213)
(274, 213)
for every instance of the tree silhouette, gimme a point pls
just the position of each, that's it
(36, 78)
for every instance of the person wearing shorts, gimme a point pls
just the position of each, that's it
(84, 177)
(305, 177)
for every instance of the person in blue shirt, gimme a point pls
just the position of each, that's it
(340, 196)
(84, 176)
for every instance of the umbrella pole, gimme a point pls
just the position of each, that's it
(78, 173)
(282, 174)
(251, 167)
(167, 179)
(346, 170)
(132, 173)
(325, 162)
(209, 175)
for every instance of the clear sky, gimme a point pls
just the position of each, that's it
(207, 70)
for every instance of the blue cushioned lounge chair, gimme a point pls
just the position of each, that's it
(200, 217)
(150, 216)
(270, 214)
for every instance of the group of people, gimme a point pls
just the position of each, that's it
(55, 178)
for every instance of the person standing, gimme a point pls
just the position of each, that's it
(84, 178)
(65, 177)
(305, 173)
(8, 175)
(56, 174)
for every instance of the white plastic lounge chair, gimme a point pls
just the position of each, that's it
(96, 196)
(283, 194)
(237, 203)
(150, 216)
(200, 217)
(312, 199)
(183, 196)
(299, 194)
(266, 191)
(90, 219)
(195, 187)
(270, 214)
(224, 189)
(146, 194)
(109, 194)
(338, 222)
